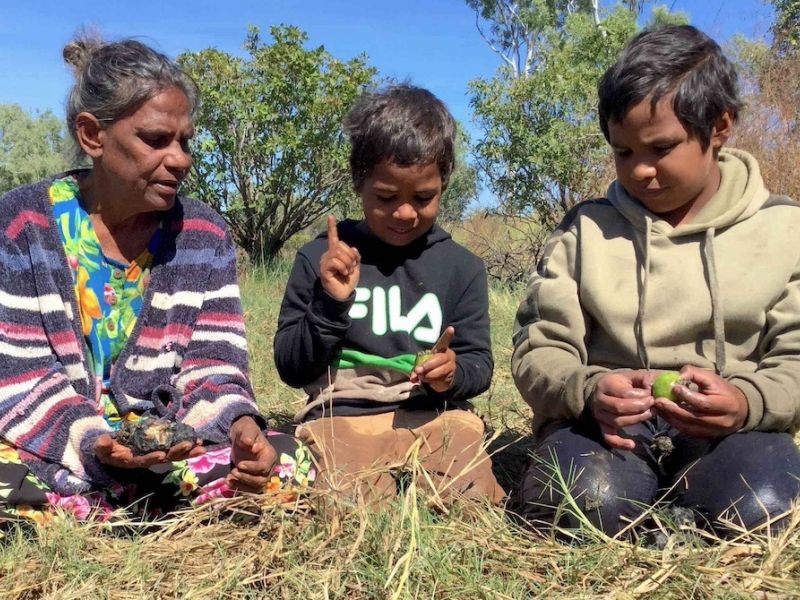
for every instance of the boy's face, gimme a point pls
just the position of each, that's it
(401, 203)
(662, 164)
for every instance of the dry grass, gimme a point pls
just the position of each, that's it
(247, 548)
(510, 245)
(331, 547)
(770, 124)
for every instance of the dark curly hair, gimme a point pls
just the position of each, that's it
(679, 60)
(402, 124)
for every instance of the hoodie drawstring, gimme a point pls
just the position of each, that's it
(641, 348)
(716, 302)
(717, 313)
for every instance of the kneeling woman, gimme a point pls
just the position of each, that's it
(118, 301)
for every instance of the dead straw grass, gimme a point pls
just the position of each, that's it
(329, 546)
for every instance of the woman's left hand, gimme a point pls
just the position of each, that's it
(110, 452)
(252, 456)
(718, 408)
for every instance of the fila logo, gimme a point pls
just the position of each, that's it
(385, 309)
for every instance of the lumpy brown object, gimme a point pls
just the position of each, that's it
(151, 435)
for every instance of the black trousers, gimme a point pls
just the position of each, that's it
(744, 478)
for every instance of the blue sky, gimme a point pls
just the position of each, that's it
(432, 43)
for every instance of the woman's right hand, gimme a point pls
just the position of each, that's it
(110, 452)
(621, 399)
(339, 266)
(252, 456)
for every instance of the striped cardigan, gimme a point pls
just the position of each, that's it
(185, 360)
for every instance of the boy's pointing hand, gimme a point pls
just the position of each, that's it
(340, 265)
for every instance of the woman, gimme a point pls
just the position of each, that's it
(119, 299)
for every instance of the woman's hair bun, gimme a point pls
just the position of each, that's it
(114, 78)
(78, 52)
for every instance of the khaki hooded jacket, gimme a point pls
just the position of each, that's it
(620, 288)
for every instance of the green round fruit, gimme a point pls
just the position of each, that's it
(422, 357)
(662, 386)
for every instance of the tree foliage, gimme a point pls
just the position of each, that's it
(786, 29)
(517, 30)
(463, 186)
(31, 146)
(269, 152)
(541, 149)
(769, 126)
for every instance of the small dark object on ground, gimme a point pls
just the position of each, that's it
(663, 445)
(151, 435)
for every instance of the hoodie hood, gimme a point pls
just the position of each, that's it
(740, 195)
(358, 233)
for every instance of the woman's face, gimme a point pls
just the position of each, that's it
(144, 156)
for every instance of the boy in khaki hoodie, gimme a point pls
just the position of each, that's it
(689, 264)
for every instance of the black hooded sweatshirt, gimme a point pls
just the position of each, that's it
(355, 356)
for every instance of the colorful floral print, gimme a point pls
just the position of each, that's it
(87, 301)
(218, 488)
(200, 479)
(8, 454)
(109, 294)
(206, 462)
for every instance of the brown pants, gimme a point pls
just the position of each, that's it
(369, 453)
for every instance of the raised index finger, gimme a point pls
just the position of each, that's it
(333, 235)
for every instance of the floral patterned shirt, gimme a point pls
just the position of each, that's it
(109, 293)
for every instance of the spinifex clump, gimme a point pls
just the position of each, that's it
(151, 435)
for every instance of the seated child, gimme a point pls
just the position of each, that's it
(365, 298)
(689, 264)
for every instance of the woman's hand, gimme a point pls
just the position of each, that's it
(339, 266)
(440, 369)
(621, 399)
(110, 452)
(718, 408)
(252, 456)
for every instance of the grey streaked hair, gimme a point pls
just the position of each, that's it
(112, 79)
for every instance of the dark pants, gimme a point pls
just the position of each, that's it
(745, 478)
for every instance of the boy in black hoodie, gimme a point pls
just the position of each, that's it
(364, 299)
